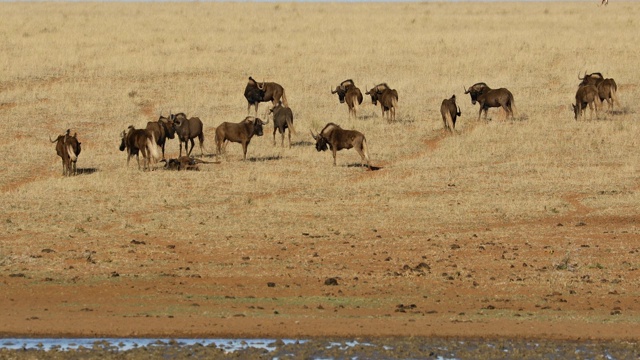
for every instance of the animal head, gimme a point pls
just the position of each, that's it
(123, 136)
(257, 124)
(476, 90)
(321, 142)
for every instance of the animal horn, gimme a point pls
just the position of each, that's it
(52, 140)
(467, 91)
(315, 137)
(332, 91)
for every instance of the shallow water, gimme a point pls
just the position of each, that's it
(378, 348)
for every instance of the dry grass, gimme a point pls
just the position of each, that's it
(97, 68)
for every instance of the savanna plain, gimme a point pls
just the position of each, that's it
(524, 227)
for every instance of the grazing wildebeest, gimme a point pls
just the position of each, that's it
(241, 132)
(450, 112)
(256, 92)
(607, 91)
(388, 99)
(607, 88)
(282, 119)
(187, 130)
(586, 95)
(162, 130)
(488, 98)
(348, 92)
(68, 148)
(137, 141)
(334, 137)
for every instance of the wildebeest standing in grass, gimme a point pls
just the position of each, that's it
(256, 92)
(187, 130)
(586, 95)
(450, 112)
(488, 98)
(162, 130)
(241, 132)
(282, 120)
(607, 91)
(348, 92)
(607, 88)
(335, 138)
(137, 141)
(68, 148)
(388, 99)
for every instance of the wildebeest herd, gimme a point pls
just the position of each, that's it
(593, 89)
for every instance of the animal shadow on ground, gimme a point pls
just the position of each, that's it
(265, 158)
(86, 171)
(372, 168)
(302, 143)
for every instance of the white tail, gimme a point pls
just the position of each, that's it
(72, 155)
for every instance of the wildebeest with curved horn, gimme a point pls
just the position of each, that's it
(450, 112)
(187, 130)
(348, 92)
(68, 148)
(282, 120)
(488, 98)
(607, 88)
(256, 92)
(137, 141)
(586, 95)
(335, 138)
(162, 130)
(241, 132)
(388, 99)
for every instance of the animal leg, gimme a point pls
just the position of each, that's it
(289, 139)
(244, 151)
(274, 135)
(334, 156)
(186, 144)
(282, 140)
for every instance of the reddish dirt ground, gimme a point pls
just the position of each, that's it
(497, 288)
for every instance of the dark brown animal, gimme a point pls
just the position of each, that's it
(137, 141)
(184, 163)
(388, 99)
(335, 138)
(608, 91)
(68, 148)
(241, 132)
(586, 95)
(348, 92)
(162, 130)
(187, 130)
(256, 92)
(488, 98)
(590, 79)
(450, 112)
(282, 120)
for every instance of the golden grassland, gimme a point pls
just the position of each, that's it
(98, 67)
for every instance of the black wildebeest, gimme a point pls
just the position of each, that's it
(137, 141)
(282, 119)
(348, 92)
(241, 132)
(607, 88)
(607, 91)
(450, 112)
(162, 130)
(256, 92)
(488, 98)
(68, 148)
(334, 137)
(184, 163)
(586, 95)
(388, 99)
(187, 130)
